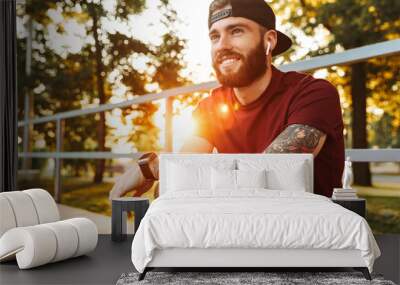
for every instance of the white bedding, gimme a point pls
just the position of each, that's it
(250, 218)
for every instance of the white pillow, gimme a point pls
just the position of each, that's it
(223, 179)
(235, 179)
(294, 180)
(251, 178)
(281, 174)
(188, 173)
(181, 177)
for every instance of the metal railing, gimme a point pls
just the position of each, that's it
(360, 54)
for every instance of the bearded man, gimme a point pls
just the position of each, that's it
(258, 108)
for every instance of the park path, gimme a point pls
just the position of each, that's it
(102, 222)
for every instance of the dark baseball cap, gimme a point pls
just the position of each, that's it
(256, 10)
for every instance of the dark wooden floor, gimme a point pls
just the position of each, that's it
(102, 266)
(110, 260)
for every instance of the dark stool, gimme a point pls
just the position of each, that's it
(120, 207)
(357, 205)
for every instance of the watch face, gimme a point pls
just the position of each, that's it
(143, 160)
(147, 157)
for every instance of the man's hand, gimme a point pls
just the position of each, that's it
(298, 138)
(131, 179)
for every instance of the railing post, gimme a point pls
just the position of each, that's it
(169, 113)
(58, 160)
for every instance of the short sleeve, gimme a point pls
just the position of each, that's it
(203, 127)
(317, 105)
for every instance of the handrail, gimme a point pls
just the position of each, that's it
(386, 48)
(357, 155)
(351, 56)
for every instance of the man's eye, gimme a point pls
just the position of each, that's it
(214, 37)
(236, 31)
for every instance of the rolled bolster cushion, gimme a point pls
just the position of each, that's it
(33, 246)
(23, 209)
(45, 206)
(7, 218)
(66, 238)
(40, 244)
(87, 234)
(26, 208)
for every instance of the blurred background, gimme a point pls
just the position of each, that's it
(79, 55)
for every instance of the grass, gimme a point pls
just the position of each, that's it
(383, 206)
(383, 214)
(93, 198)
(383, 200)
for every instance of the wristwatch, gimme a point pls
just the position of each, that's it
(144, 164)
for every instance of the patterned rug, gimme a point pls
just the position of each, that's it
(231, 278)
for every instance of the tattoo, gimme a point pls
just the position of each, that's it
(296, 138)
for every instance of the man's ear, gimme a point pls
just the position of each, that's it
(270, 37)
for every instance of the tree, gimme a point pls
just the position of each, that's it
(74, 79)
(36, 18)
(353, 23)
(105, 43)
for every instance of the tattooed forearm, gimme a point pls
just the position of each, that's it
(296, 139)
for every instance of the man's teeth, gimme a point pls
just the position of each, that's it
(227, 61)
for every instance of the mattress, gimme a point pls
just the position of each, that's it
(250, 219)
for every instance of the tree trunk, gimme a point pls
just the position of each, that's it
(28, 99)
(76, 170)
(100, 165)
(362, 174)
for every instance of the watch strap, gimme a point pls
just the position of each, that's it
(144, 164)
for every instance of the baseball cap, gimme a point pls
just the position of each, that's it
(256, 10)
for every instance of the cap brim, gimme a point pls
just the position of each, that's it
(283, 43)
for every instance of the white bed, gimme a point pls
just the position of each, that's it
(203, 220)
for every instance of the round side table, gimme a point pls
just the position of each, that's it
(120, 207)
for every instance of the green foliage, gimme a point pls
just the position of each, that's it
(38, 10)
(170, 61)
(125, 8)
(361, 22)
(66, 80)
(350, 24)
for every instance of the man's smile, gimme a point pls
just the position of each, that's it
(229, 63)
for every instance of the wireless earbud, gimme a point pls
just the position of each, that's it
(268, 48)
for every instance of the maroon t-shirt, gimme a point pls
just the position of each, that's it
(290, 98)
